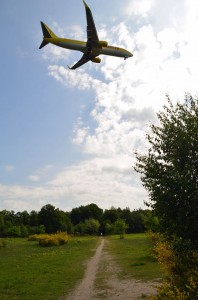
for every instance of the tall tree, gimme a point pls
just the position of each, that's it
(82, 213)
(48, 216)
(169, 172)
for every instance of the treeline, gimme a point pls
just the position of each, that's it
(89, 219)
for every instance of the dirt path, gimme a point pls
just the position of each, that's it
(101, 281)
(85, 290)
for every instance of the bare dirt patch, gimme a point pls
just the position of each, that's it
(101, 280)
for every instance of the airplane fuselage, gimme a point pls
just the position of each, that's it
(81, 46)
(91, 49)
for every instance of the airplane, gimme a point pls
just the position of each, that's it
(91, 49)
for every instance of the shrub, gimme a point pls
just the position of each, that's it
(35, 237)
(62, 237)
(181, 265)
(48, 240)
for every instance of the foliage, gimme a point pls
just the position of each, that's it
(91, 226)
(48, 240)
(50, 220)
(169, 172)
(120, 227)
(82, 213)
(108, 228)
(183, 267)
(53, 219)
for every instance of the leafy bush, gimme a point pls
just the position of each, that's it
(48, 240)
(181, 266)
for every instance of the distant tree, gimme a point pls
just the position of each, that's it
(24, 230)
(120, 227)
(111, 215)
(108, 228)
(13, 231)
(91, 227)
(34, 218)
(92, 211)
(82, 213)
(40, 229)
(137, 221)
(64, 221)
(48, 216)
(151, 221)
(22, 218)
(76, 215)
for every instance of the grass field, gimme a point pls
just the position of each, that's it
(133, 254)
(28, 271)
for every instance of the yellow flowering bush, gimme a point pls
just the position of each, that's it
(165, 256)
(182, 271)
(48, 240)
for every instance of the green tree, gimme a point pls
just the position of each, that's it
(48, 216)
(34, 219)
(120, 227)
(82, 213)
(91, 226)
(108, 228)
(169, 172)
(111, 215)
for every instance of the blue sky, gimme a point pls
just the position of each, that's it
(68, 137)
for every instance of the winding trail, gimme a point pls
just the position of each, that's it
(101, 280)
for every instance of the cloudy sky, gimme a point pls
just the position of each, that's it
(68, 137)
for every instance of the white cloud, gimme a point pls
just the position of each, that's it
(34, 178)
(9, 168)
(55, 54)
(41, 174)
(139, 8)
(105, 181)
(77, 33)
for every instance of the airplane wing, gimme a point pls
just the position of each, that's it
(92, 36)
(84, 59)
(92, 40)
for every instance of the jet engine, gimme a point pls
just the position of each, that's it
(96, 60)
(103, 43)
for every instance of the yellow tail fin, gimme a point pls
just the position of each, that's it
(47, 33)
